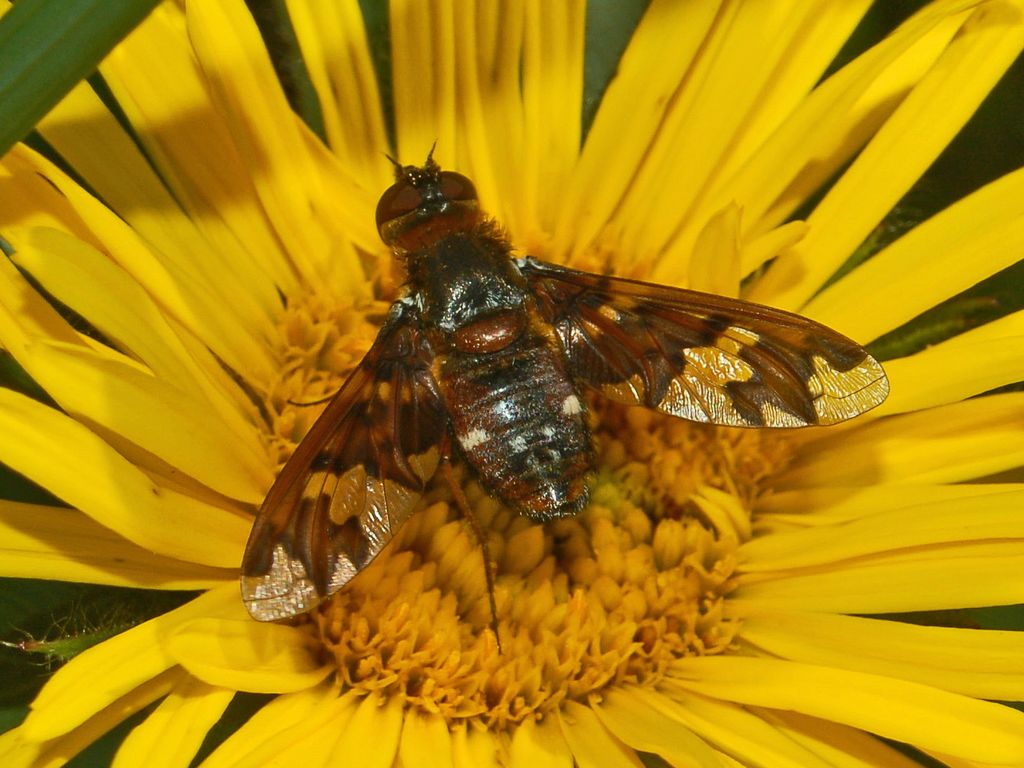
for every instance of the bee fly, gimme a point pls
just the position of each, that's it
(489, 352)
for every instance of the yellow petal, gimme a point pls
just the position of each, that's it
(25, 316)
(26, 319)
(629, 716)
(308, 743)
(837, 504)
(947, 444)
(280, 723)
(423, 78)
(733, 730)
(248, 94)
(763, 247)
(91, 140)
(27, 197)
(176, 729)
(816, 37)
(488, 83)
(968, 241)
(107, 159)
(102, 675)
(372, 738)
(16, 752)
(539, 744)
(332, 37)
(58, 453)
(832, 122)
(246, 655)
(985, 664)
(60, 749)
(893, 708)
(591, 744)
(168, 104)
(426, 741)
(40, 542)
(805, 133)
(934, 578)
(154, 417)
(724, 511)
(474, 748)
(688, 97)
(715, 265)
(552, 83)
(518, 66)
(61, 204)
(835, 744)
(726, 108)
(979, 518)
(962, 367)
(898, 154)
(86, 281)
(633, 108)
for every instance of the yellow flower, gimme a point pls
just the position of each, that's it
(713, 604)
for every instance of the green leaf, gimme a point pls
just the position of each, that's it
(610, 25)
(49, 46)
(45, 623)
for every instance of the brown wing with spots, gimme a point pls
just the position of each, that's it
(704, 357)
(352, 481)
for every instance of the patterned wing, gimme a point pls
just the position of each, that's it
(703, 357)
(352, 481)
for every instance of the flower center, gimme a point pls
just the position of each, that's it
(613, 595)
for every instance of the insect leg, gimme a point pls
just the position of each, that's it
(460, 501)
(320, 401)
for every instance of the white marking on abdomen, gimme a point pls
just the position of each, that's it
(571, 406)
(473, 439)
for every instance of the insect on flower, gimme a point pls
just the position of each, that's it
(484, 355)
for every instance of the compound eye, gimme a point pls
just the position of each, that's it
(399, 199)
(455, 186)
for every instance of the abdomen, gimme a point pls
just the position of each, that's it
(520, 425)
